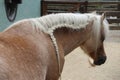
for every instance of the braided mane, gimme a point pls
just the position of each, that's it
(51, 22)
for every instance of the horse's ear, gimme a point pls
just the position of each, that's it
(94, 12)
(103, 17)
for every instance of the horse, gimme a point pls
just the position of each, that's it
(35, 48)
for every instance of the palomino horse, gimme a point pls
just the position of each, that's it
(34, 49)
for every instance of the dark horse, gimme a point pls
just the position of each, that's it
(34, 49)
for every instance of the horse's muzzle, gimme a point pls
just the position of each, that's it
(100, 60)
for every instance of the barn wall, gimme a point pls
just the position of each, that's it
(28, 9)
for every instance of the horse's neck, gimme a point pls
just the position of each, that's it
(70, 39)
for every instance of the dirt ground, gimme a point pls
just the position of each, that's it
(77, 66)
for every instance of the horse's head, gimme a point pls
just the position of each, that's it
(94, 45)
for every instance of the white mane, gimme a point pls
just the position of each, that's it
(50, 22)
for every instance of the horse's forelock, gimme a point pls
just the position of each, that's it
(97, 27)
